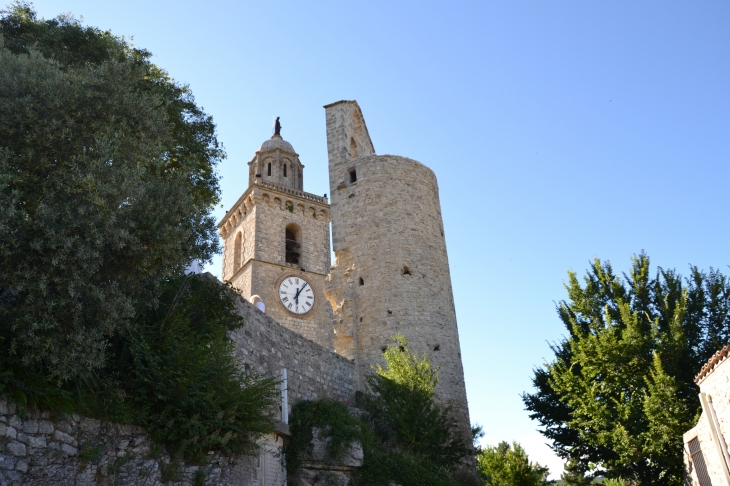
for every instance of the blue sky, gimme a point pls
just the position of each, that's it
(558, 131)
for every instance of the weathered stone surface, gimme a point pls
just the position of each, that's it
(63, 437)
(7, 461)
(45, 427)
(318, 467)
(16, 448)
(313, 371)
(52, 458)
(37, 441)
(71, 451)
(30, 427)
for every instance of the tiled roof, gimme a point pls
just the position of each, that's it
(713, 362)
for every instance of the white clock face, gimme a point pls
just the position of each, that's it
(296, 294)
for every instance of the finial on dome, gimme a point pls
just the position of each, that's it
(277, 127)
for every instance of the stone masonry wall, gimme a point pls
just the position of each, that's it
(78, 451)
(391, 272)
(313, 371)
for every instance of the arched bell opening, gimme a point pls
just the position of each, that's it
(293, 243)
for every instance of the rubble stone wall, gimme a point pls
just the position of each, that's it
(77, 451)
(313, 371)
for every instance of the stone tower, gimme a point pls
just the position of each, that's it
(391, 272)
(277, 243)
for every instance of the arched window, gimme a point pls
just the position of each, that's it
(284, 170)
(269, 170)
(292, 244)
(237, 248)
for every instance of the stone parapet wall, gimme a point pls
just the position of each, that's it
(78, 451)
(313, 370)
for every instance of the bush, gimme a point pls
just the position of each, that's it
(174, 373)
(406, 437)
(508, 465)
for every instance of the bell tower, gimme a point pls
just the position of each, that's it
(277, 242)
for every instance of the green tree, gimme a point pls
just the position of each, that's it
(403, 412)
(407, 438)
(620, 391)
(575, 474)
(505, 465)
(107, 182)
(176, 372)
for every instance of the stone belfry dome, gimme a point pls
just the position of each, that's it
(276, 163)
(276, 142)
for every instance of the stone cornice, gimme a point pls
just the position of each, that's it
(270, 187)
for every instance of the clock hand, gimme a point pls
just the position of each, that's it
(296, 296)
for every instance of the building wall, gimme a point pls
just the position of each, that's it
(313, 370)
(38, 449)
(715, 394)
(391, 272)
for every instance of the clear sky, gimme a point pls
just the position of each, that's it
(558, 130)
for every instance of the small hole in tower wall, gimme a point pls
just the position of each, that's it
(361, 319)
(383, 349)
(390, 312)
(284, 170)
(437, 347)
(406, 271)
(353, 176)
(268, 172)
(362, 282)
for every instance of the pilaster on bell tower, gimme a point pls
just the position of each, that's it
(275, 234)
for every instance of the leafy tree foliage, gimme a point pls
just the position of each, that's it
(505, 465)
(106, 185)
(406, 437)
(620, 390)
(575, 474)
(173, 372)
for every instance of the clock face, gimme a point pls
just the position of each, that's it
(296, 295)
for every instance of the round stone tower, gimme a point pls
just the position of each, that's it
(391, 272)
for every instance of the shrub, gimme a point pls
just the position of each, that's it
(174, 373)
(406, 437)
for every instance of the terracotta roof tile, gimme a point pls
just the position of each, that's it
(712, 363)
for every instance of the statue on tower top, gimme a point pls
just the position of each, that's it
(277, 127)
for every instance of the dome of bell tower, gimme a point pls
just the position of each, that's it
(276, 142)
(276, 162)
